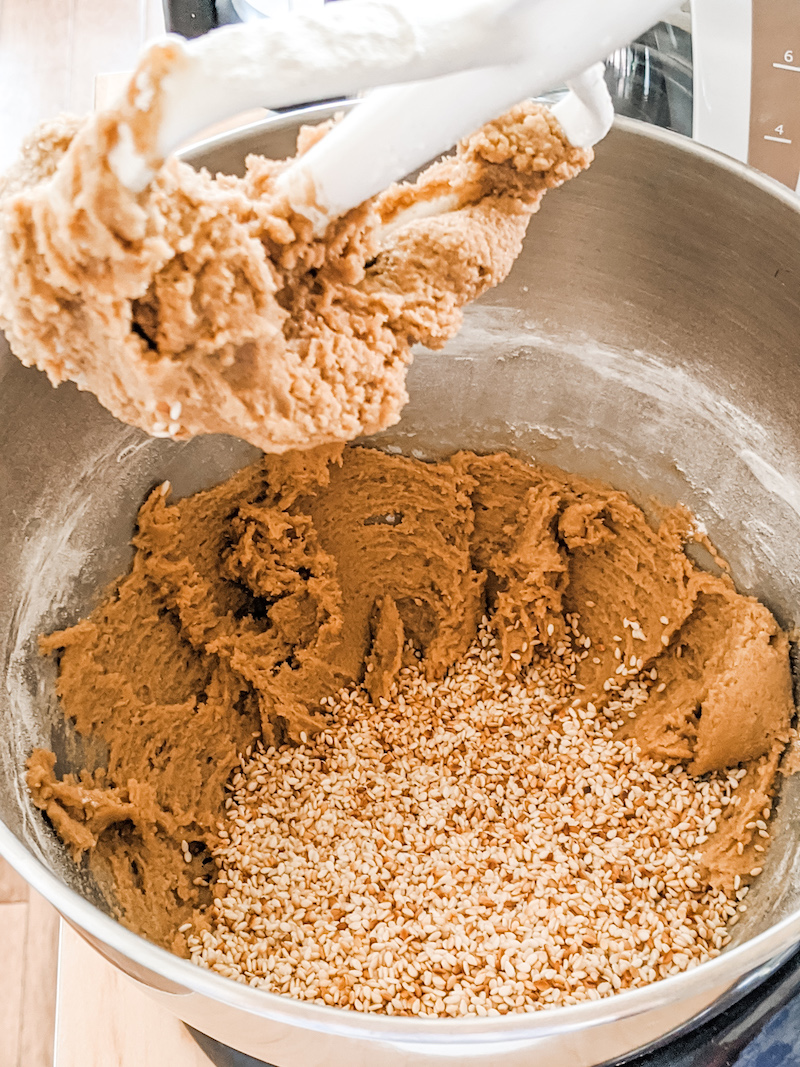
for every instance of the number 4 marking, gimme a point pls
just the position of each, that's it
(780, 138)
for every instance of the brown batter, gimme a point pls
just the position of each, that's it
(205, 305)
(248, 603)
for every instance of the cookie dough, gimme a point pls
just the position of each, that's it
(248, 603)
(206, 305)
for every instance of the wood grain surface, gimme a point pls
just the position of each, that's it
(127, 1028)
(29, 938)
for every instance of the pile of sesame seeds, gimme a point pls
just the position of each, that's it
(476, 845)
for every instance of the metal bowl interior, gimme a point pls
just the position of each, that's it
(647, 336)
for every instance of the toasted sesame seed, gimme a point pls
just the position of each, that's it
(463, 847)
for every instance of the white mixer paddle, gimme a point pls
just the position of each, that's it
(467, 61)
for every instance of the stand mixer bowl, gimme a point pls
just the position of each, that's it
(648, 335)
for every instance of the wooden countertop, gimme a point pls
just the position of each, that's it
(104, 1019)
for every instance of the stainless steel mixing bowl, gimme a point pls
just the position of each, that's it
(649, 334)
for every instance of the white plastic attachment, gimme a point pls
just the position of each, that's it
(503, 51)
(335, 52)
(586, 112)
(398, 129)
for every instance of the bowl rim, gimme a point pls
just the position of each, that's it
(733, 969)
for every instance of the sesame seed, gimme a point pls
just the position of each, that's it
(465, 847)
